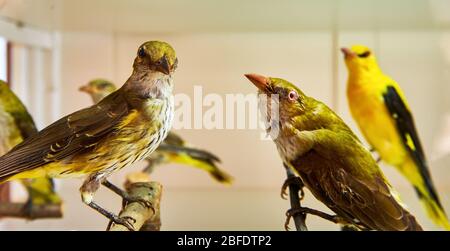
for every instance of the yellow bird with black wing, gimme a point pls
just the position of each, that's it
(384, 117)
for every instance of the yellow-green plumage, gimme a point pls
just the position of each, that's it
(331, 161)
(173, 149)
(16, 124)
(382, 113)
(123, 128)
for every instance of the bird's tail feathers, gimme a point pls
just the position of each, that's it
(200, 159)
(206, 165)
(433, 209)
(426, 192)
(221, 176)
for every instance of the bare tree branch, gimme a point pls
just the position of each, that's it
(153, 224)
(143, 218)
(20, 210)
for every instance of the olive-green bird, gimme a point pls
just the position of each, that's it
(381, 111)
(123, 128)
(173, 149)
(16, 124)
(330, 160)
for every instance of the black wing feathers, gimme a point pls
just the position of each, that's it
(405, 126)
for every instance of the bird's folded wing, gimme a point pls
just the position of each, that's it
(406, 128)
(369, 200)
(72, 134)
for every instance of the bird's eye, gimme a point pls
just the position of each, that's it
(364, 55)
(159, 62)
(293, 96)
(141, 52)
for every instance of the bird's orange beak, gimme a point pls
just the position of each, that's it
(86, 88)
(348, 53)
(259, 81)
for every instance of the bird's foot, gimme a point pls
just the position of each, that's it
(131, 199)
(293, 180)
(292, 213)
(305, 210)
(124, 221)
(127, 198)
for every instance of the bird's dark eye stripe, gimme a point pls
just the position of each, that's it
(364, 55)
(277, 90)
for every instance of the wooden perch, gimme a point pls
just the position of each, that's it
(300, 218)
(18, 210)
(153, 224)
(144, 218)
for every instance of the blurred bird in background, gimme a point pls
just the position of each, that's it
(125, 127)
(384, 117)
(173, 149)
(330, 160)
(16, 124)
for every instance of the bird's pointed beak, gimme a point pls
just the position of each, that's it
(261, 82)
(347, 52)
(165, 66)
(85, 88)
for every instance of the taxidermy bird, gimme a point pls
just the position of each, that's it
(384, 117)
(330, 160)
(125, 127)
(16, 124)
(173, 149)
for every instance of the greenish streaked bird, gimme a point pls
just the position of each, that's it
(330, 160)
(122, 129)
(16, 124)
(173, 149)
